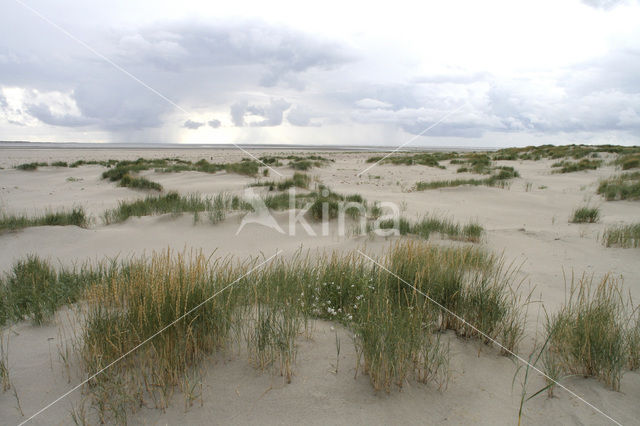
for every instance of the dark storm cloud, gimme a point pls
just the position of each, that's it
(194, 125)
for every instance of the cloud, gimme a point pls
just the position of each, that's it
(266, 115)
(604, 4)
(43, 113)
(238, 110)
(369, 103)
(188, 62)
(278, 53)
(302, 117)
(266, 75)
(194, 125)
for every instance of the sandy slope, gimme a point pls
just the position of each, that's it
(528, 224)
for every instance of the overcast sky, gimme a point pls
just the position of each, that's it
(331, 72)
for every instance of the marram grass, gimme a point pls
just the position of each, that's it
(76, 216)
(588, 335)
(625, 236)
(585, 214)
(397, 330)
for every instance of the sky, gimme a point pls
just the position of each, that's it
(459, 73)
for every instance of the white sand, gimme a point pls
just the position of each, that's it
(530, 227)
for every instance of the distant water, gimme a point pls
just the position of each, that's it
(84, 145)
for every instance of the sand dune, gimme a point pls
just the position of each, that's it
(527, 222)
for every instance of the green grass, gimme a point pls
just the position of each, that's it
(585, 214)
(500, 179)
(107, 163)
(628, 161)
(399, 335)
(299, 180)
(76, 216)
(297, 162)
(215, 207)
(625, 236)
(31, 166)
(34, 290)
(625, 186)
(271, 160)
(588, 335)
(424, 159)
(126, 170)
(322, 202)
(428, 225)
(571, 166)
(397, 330)
(139, 183)
(576, 152)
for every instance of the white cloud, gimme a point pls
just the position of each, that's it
(369, 103)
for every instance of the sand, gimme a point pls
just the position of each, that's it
(528, 223)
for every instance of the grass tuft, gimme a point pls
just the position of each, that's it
(570, 166)
(585, 214)
(76, 216)
(299, 180)
(139, 183)
(625, 186)
(625, 236)
(31, 166)
(216, 207)
(588, 336)
(499, 179)
(428, 225)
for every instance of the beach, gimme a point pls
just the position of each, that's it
(526, 220)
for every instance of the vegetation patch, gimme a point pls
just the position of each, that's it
(31, 166)
(76, 216)
(398, 330)
(553, 152)
(298, 180)
(625, 186)
(215, 207)
(585, 214)
(426, 226)
(297, 162)
(34, 290)
(500, 178)
(625, 236)
(139, 183)
(628, 161)
(589, 335)
(423, 159)
(573, 166)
